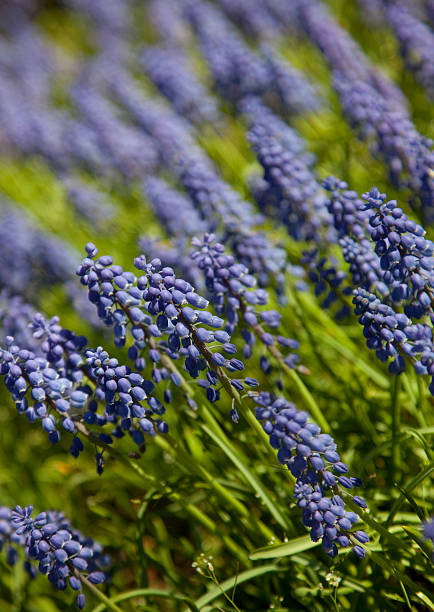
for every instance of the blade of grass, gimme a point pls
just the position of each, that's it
(287, 549)
(229, 583)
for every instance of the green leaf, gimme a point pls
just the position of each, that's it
(250, 477)
(149, 593)
(287, 549)
(231, 582)
(417, 480)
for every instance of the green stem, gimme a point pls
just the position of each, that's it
(396, 424)
(108, 603)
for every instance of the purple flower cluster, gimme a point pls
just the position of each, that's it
(343, 53)
(312, 458)
(129, 150)
(63, 554)
(328, 281)
(239, 72)
(406, 256)
(173, 209)
(62, 380)
(219, 205)
(393, 335)
(351, 221)
(32, 79)
(31, 258)
(290, 92)
(88, 202)
(291, 191)
(157, 305)
(236, 70)
(166, 18)
(233, 292)
(416, 40)
(253, 17)
(392, 136)
(15, 316)
(169, 70)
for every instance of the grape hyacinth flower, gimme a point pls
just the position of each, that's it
(392, 136)
(11, 542)
(394, 336)
(291, 92)
(328, 281)
(15, 316)
(321, 476)
(406, 256)
(217, 203)
(182, 221)
(174, 210)
(416, 40)
(344, 55)
(292, 191)
(428, 529)
(66, 383)
(236, 70)
(175, 255)
(88, 202)
(232, 289)
(131, 151)
(253, 17)
(351, 222)
(160, 305)
(169, 70)
(31, 258)
(166, 18)
(63, 554)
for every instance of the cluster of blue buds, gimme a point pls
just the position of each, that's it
(169, 70)
(416, 41)
(291, 92)
(328, 281)
(63, 554)
(88, 202)
(236, 70)
(10, 541)
(393, 335)
(351, 221)
(254, 18)
(234, 292)
(166, 18)
(130, 150)
(124, 392)
(65, 382)
(291, 191)
(406, 256)
(312, 459)
(15, 316)
(31, 257)
(344, 54)
(393, 137)
(168, 318)
(347, 210)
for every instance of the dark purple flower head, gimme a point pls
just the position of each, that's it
(313, 460)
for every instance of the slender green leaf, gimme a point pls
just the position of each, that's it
(250, 477)
(228, 584)
(287, 549)
(148, 593)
